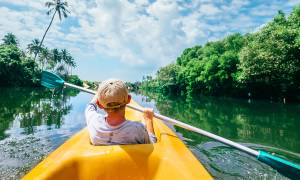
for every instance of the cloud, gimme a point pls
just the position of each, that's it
(25, 3)
(293, 2)
(209, 9)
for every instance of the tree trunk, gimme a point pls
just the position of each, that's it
(44, 35)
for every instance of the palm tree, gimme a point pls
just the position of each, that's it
(64, 57)
(45, 57)
(72, 63)
(61, 70)
(34, 47)
(58, 6)
(56, 57)
(10, 39)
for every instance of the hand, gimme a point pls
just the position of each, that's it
(148, 114)
(148, 119)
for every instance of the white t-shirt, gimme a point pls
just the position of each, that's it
(101, 133)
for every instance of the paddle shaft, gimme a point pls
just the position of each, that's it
(80, 88)
(182, 125)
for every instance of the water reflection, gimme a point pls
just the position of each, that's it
(34, 122)
(259, 124)
(28, 108)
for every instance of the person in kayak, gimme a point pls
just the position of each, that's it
(113, 128)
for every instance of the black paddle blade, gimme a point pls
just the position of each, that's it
(51, 80)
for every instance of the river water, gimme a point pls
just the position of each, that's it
(34, 122)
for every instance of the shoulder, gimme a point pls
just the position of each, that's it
(137, 126)
(135, 123)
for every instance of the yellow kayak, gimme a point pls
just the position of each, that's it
(169, 158)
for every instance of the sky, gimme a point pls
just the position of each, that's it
(128, 39)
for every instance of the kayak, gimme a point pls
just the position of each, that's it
(169, 158)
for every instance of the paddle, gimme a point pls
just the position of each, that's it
(283, 166)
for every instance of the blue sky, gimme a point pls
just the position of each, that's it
(128, 39)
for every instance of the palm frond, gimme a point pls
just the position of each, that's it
(66, 10)
(49, 4)
(65, 14)
(50, 11)
(59, 14)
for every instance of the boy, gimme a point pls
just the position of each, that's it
(112, 96)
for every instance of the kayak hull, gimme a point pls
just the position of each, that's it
(169, 158)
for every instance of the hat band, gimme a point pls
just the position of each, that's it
(114, 106)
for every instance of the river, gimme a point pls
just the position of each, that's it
(34, 122)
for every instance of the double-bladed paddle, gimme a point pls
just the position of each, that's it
(287, 168)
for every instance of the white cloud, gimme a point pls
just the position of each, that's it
(134, 33)
(293, 2)
(209, 9)
(25, 3)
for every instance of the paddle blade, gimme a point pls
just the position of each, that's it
(51, 80)
(283, 166)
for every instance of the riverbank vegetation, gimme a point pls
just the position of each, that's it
(263, 64)
(18, 67)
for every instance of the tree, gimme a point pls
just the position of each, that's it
(34, 47)
(270, 61)
(15, 69)
(56, 58)
(58, 6)
(72, 63)
(45, 57)
(167, 78)
(19, 69)
(10, 39)
(66, 60)
(64, 56)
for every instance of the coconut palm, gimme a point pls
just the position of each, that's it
(45, 57)
(10, 39)
(56, 6)
(64, 58)
(56, 58)
(34, 47)
(61, 70)
(72, 63)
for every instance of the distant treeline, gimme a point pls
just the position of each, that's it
(263, 64)
(18, 67)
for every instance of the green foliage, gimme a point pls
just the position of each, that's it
(91, 84)
(210, 69)
(167, 80)
(19, 69)
(133, 87)
(265, 63)
(271, 60)
(15, 69)
(74, 79)
(10, 39)
(34, 47)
